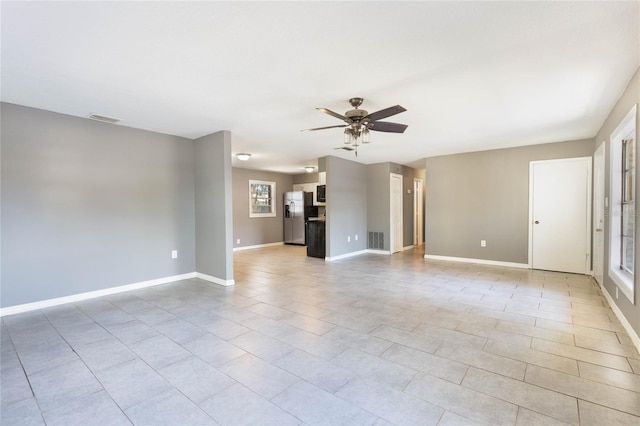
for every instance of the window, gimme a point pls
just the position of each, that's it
(628, 204)
(261, 198)
(622, 204)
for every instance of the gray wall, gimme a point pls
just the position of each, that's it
(257, 230)
(88, 205)
(322, 164)
(485, 196)
(346, 206)
(630, 97)
(214, 205)
(378, 200)
(305, 178)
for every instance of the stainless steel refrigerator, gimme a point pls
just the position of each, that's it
(297, 208)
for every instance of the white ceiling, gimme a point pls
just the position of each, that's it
(473, 76)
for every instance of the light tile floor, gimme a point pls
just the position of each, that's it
(367, 340)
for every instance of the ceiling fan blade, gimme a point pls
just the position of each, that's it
(382, 126)
(384, 113)
(346, 148)
(334, 114)
(322, 128)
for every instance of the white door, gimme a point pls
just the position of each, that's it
(417, 212)
(560, 210)
(598, 214)
(396, 213)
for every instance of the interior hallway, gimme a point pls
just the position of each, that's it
(370, 339)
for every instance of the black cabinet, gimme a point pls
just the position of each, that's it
(316, 238)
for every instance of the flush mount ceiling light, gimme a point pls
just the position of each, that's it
(309, 169)
(243, 156)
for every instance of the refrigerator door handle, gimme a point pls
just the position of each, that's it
(293, 209)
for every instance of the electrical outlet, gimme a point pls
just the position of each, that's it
(174, 254)
(349, 238)
(356, 237)
(483, 243)
(238, 241)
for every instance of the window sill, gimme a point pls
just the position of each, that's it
(625, 283)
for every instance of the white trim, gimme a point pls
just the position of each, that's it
(272, 213)
(392, 235)
(10, 310)
(407, 247)
(258, 246)
(372, 251)
(478, 261)
(600, 152)
(622, 279)
(630, 331)
(418, 210)
(344, 256)
(215, 280)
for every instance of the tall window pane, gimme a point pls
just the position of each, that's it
(628, 205)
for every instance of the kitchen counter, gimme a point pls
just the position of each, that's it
(316, 219)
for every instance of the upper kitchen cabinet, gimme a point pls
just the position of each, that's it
(313, 187)
(307, 187)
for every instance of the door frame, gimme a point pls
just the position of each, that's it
(392, 236)
(602, 148)
(418, 212)
(589, 163)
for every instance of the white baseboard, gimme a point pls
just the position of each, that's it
(407, 247)
(10, 310)
(258, 246)
(372, 251)
(358, 253)
(215, 280)
(632, 333)
(344, 256)
(478, 261)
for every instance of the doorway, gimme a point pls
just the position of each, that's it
(396, 242)
(418, 212)
(598, 214)
(560, 215)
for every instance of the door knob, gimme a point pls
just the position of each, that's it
(536, 222)
(598, 229)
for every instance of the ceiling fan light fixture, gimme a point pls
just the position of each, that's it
(309, 169)
(359, 122)
(365, 135)
(347, 136)
(243, 156)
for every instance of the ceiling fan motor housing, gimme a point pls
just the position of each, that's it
(356, 102)
(356, 114)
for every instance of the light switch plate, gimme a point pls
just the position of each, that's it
(174, 254)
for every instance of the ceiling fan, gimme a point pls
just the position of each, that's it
(359, 122)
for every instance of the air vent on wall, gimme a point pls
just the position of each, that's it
(376, 240)
(103, 118)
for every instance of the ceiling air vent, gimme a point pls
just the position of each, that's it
(103, 118)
